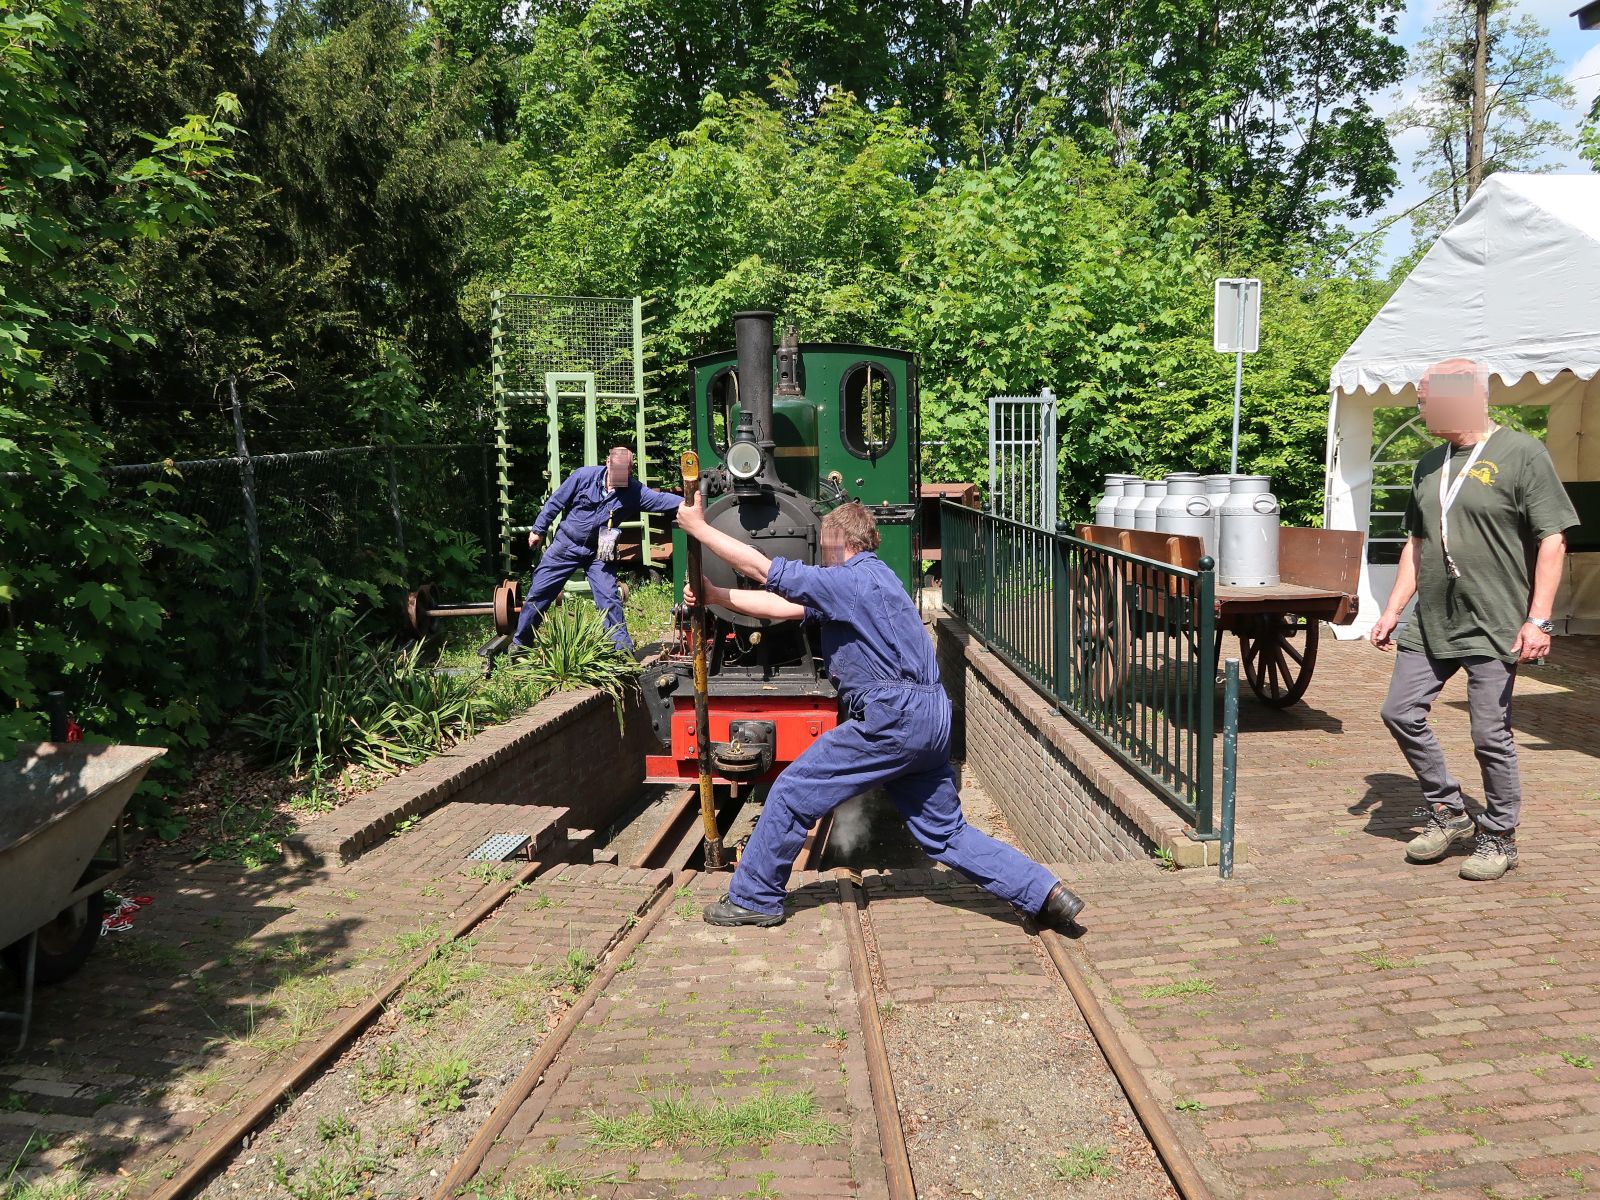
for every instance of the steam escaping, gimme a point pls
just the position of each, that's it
(851, 822)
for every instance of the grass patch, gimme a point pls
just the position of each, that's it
(1380, 960)
(438, 1084)
(144, 952)
(573, 973)
(648, 611)
(1581, 1061)
(416, 939)
(1184, 987)
(439, 982)
(59, 1185)
(1084, 1162)
(1267, 939)
(302, 1006)
(1189, 1106)
(679, 1120)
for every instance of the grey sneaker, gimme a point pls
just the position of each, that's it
(1444, 829)
(1492, 857)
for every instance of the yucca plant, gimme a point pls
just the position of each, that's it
(574, 650)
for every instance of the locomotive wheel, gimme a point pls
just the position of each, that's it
(65, 942)
(1279, 655)
(417, 605)
(507, 603)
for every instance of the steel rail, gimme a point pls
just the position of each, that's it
(891, 1135)
(471, 1159)
(687, 801)
(290, 1080)
(1185, 1175)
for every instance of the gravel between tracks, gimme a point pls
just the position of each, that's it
(1013, 1101)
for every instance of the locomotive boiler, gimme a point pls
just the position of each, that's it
(784, 434)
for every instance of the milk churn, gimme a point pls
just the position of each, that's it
(1144, 517)
(1187, 509)
(1217, 488)
(1132, 491)
(1105, 508)
(1249, 533)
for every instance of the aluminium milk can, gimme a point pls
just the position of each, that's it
(1217, 488)
(1105, 509)
(1188, 510)
(1144, 517)
(1132, 491)
(1249, 544)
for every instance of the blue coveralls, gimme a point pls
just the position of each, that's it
(898, 738)
(587, 504)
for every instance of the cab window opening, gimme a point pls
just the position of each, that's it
(866, 411)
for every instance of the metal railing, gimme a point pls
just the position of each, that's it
(1124, 646)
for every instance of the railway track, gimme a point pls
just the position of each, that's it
(674, 844)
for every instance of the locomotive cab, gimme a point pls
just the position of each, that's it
(784, 434)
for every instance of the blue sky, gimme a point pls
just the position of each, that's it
(1579, 53)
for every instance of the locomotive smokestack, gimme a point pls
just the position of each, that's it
(753, 336)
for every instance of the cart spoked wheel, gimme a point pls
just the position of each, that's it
(64, 943)
(1279, 654)
(1098, 620)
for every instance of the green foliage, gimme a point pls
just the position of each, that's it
(438, 1084)
(681, 1120)
(1091, 280)
(349, 698)
(573, 650)
(79, 603)
(1523, 75)
(1084, 1162)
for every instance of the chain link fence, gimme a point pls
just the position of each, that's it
(351, 526)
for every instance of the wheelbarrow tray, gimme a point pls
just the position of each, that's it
(58, 802)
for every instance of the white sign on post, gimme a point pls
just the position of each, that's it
(1236, 320)
(1236, 330)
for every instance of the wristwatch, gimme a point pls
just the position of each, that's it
(1542, 626)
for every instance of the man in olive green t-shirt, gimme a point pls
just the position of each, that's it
(1487, 522)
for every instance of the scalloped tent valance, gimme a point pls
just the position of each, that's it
(1514, 283)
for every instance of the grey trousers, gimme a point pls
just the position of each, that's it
(1417, 681)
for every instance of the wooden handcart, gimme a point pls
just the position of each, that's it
(1277, 625)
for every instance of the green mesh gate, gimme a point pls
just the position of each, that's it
(567, 374)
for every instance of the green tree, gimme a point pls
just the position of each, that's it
(1522, 71)
(77, 595)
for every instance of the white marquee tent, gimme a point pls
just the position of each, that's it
(1514, 284)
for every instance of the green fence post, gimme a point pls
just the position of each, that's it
(1061, 611)
(1203, 691)
(987, 579)
(1230, 765)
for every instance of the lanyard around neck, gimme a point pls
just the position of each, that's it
(1449, 489)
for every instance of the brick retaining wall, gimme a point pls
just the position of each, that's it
(565, 752)
(1065, 799)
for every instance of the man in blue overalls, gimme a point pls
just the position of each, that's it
(592, 503)
(898, 736)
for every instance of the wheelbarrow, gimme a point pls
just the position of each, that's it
(60, 804)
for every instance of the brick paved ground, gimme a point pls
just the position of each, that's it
(515, 979)
(706, 1016)
(170, 1027)
(1357, 1027)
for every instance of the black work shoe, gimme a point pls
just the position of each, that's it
(1061, 909)
(726, 912)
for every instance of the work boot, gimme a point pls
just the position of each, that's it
(1492, 857)
(1445, 827)
(726, 912)
(1060, 909)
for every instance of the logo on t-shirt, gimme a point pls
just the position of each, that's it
(1485, 473)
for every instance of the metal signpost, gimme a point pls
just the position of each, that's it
(1236, 330)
